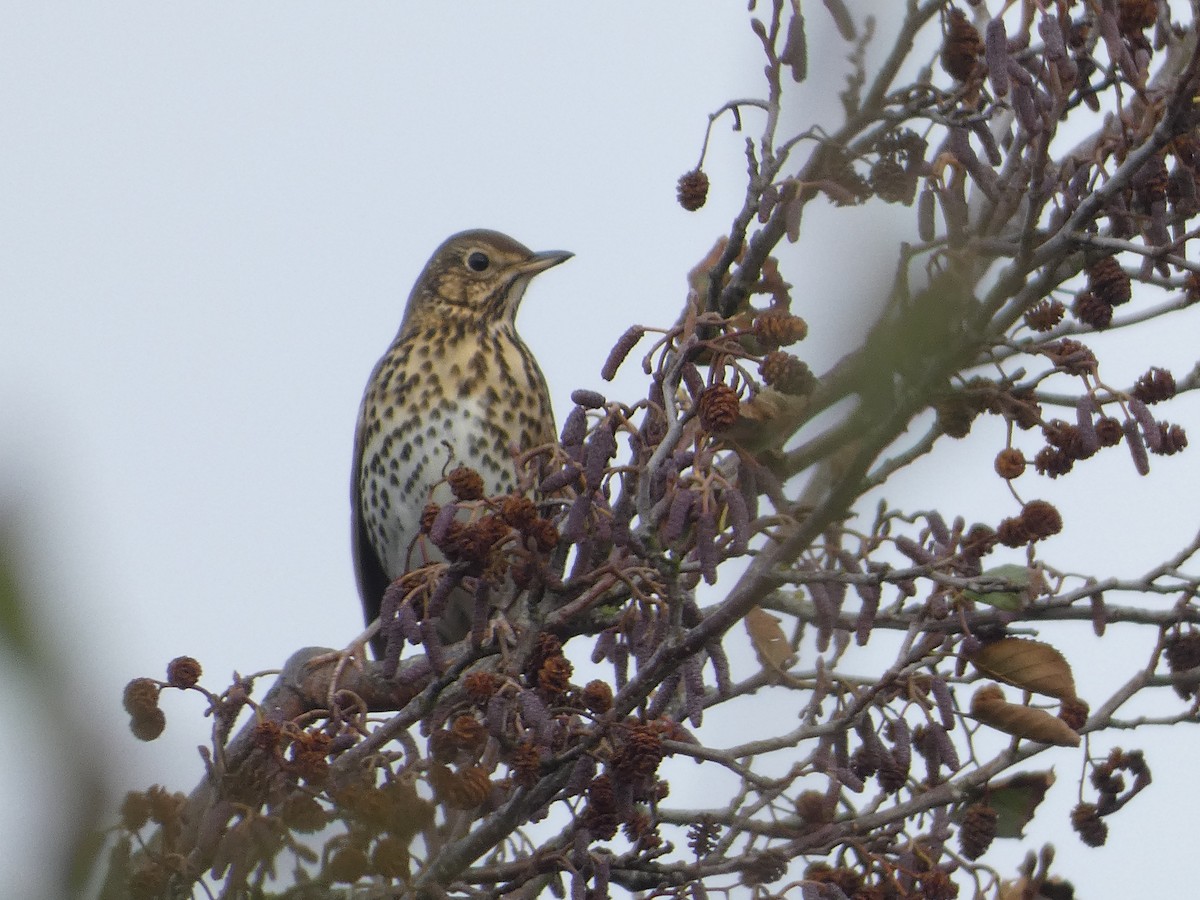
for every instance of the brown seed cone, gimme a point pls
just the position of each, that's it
(1109, 282)
(465, 483)
(718, 407)
(1109, 431)
(1010, 463)
(1091, 310)
(1086, 821)
(955, 415)
(1045, 315)
(692, 190)
(787, 374)
(1041, 519)
(978, 830)
(1074, 712)
(1013, 533)
(1156, 385)
(776, 327)
(598, 696)
(183, 672)
(891, 181)
(1071, 356)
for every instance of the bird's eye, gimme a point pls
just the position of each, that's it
(478, 262)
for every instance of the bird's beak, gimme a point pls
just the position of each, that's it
(540, 262)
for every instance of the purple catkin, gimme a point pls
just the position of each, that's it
(437, 600)
(960, 145)
(601, 865)
(937, 527)
(946, 751)
(393, 597)
(582, 840)
(970, 645)
(913, 550)
(1099, 613)
(556, 481)
(620, 350)
(678, 515)
(869, 737)
(496, 715)
(944, 700)
(869, 595)
(995, 48)
(1052, 37)
(432, 644)
(693, 689)
(535, 714)
(706, 545)
(739, 522)
(841, 748)
(792, 214)
(825, 614)
(393, 644)
(1085, 409)
(622, 515)
(1150, 430)
(583, 559)
(636, 635)
(842, 19)
(581, 776)
(620, 661)
(440, 529)
(1137, 448)
(574, 430)
(795, 48)
(663, 695)
(720, 665)
(408, 624)
(926, 226)
(575, 528)
(901, 736)
(1024, 106)
(988, 141)
(600, 449)
(849, 779)
(606, 641)
(587, 399)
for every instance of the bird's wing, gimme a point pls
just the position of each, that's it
(368, 570)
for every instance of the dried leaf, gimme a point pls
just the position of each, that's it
(770, 642)
(989, 707)
(1029, 665)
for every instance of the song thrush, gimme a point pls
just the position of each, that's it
(457, 386)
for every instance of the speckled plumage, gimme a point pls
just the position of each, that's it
(457, 386)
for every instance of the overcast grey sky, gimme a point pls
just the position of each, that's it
(210, 217)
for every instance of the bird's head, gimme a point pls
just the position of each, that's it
(478, 274)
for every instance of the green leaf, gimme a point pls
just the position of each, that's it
(1011, 600)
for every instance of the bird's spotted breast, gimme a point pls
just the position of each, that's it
(435, 427)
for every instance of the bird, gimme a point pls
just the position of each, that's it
(457, 386)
